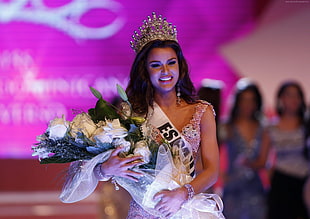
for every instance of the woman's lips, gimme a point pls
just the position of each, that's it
(164, 79)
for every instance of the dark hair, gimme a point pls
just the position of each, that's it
(213, 96)
(140, 90)
(237, 96)
(282, 89)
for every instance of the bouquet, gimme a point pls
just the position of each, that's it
(102, 128)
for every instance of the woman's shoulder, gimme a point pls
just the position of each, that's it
(204, 106)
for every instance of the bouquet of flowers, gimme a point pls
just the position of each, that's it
(102, 128)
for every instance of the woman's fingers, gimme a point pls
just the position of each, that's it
(164, 209)
(136, 159)
(133, 159)
(122, 166)
(117, 151)
(158, 196)
(169, 202)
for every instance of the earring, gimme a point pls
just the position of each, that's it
(178, 95)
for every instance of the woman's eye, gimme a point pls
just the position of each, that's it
(155, 65)
(172, 62)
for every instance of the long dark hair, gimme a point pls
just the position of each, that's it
(249, 86)
(140, 90)
(282, 89)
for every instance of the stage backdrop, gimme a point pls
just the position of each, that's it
(51, 51)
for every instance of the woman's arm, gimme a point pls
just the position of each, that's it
(209, 153)
(171, 201)
(261, 160)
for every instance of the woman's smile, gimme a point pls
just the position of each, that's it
(166, 79)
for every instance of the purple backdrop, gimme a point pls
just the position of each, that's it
(52, 51)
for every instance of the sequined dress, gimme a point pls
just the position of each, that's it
(191, 133)
(244, 195)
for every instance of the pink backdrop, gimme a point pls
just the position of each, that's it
(51, 51)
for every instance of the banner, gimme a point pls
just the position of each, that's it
(51, 51)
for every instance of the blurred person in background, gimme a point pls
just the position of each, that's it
(286, 137)
(210, 91)
(243, 191)
(307, 154)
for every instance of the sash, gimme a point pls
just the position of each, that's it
(177, 142)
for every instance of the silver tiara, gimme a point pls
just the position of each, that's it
(154, 28)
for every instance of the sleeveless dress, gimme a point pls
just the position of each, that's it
(191, 133)
(244, 195)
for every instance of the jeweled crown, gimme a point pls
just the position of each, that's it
(154, 28)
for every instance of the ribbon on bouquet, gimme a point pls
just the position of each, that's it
(81, 180)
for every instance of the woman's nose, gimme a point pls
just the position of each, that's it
(165, 69)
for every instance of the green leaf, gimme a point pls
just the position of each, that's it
(103, 111)
(95, 92)
(121, 92)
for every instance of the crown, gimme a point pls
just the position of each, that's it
(154, 28)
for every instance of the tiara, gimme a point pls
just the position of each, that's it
(154, 28)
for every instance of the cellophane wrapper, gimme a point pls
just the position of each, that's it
(170, 173)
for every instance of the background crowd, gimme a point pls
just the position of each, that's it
(265, 158)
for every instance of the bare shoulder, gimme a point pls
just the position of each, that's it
(206, 107)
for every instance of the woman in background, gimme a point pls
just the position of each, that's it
(307, 154)
(243, 193)
(286, 136)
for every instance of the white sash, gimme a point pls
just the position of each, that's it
(167, 130)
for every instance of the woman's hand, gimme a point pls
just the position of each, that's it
(118, 166)
(170, 201)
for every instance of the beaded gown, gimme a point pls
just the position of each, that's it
(191, 133)
(243, 191)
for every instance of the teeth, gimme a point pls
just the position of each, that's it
(165, 79)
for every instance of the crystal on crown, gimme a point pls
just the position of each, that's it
(154, 28)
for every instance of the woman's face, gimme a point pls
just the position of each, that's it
(163, 67)
(247, 103)
(290, 100)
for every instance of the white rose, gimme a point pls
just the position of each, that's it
(103, 138)
(58, 128)
(115, 129)
(142, 149)
(97, 132)
(82, 123)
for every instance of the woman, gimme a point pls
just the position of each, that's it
(290, 169)
(243, 192)
(160, 89)
(306, 194)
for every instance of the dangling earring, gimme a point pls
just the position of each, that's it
(178, 95)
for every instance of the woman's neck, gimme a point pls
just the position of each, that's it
(289, 121)
(166, 100)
